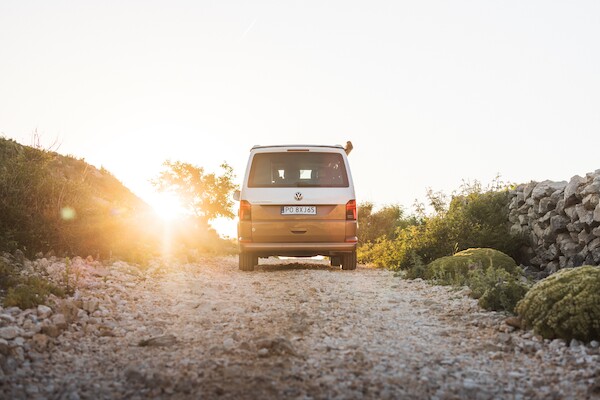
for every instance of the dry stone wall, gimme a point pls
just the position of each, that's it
(560, 221)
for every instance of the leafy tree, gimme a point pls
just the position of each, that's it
(205, 195)
(381, 223)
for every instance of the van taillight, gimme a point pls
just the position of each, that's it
(351, 210)
(245, 211)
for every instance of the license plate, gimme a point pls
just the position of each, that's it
(298, 210)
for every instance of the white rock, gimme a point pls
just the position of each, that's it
(44, 311)
(8, 318)
(263, 352)
(59, 320)
(9, 332)
(229, 344)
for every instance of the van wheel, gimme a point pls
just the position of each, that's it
(349, 261)
(247, 261)
(336, 261)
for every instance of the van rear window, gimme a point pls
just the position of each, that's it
(315, 169)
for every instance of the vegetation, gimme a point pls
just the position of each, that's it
(54, 202)
(565, 305)
(24, 292)
(59, 204)
(454, 270)
(205, 195)
(493, 277)
(473, 218)
(383, 223)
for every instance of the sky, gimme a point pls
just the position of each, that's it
(430, 93)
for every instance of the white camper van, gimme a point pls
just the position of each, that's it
(297, 200)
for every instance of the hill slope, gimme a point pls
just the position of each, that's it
(51, 202)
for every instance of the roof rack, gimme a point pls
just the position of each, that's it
(336, 146)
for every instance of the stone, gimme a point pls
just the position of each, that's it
(571, 189)
(229, 344)
(569, 248)
(558, 223)
(277, 345)
(19, 257)
(592, 188)
(594, 244)
(591, 201)
(90, 306)
(585, 216)
(560, 207)
(575, 227)
(4, 348)
(7, 318)
(528, 189)
(9, 332)
(546, 204)
(596, 231)
(596, 255)
(51, 330)
(549, 235)
(515, 322)
(44, 311)
(596, 214)
(571, 213)
(538, 230)
(40, 342)
(159, 341)
(59, 320)
(584, 238)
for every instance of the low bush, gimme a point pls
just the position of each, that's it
(474, 218)
(493, 277)
(32, 292)
(456, 269)
(24, 292)
(497, 289)
(565, 305)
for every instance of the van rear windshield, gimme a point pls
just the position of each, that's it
(298, 169)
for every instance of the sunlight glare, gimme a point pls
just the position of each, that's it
(167, 206)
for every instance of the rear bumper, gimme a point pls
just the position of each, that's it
(297, 249)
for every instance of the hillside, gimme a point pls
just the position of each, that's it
(51, 202)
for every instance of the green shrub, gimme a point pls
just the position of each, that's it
(381, 224)
(8, 276)
(454, 270)
(493, 277)
(565, 305)
(496, 289)
(30, 293)
(472, 219)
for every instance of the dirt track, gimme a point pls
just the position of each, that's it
(291, 330)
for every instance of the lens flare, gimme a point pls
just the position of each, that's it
(68, 213)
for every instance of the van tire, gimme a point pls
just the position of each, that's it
(247, 261)
(349, 261)
(336, 261)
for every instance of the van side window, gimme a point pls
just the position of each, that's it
(316, 169)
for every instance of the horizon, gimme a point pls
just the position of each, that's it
(431, 94)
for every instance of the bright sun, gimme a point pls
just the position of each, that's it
(167, 206)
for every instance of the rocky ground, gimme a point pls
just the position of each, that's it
(291, 329)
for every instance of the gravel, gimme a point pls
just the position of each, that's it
(291, 329)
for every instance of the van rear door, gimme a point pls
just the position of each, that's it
(299, 196)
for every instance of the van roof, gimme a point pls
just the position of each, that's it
(337, 146)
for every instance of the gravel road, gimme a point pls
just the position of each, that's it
(291, 329)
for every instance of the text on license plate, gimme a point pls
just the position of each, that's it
(298, 210)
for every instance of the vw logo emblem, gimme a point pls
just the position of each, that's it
(298, 196)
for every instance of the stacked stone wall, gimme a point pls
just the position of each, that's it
(559, 220)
